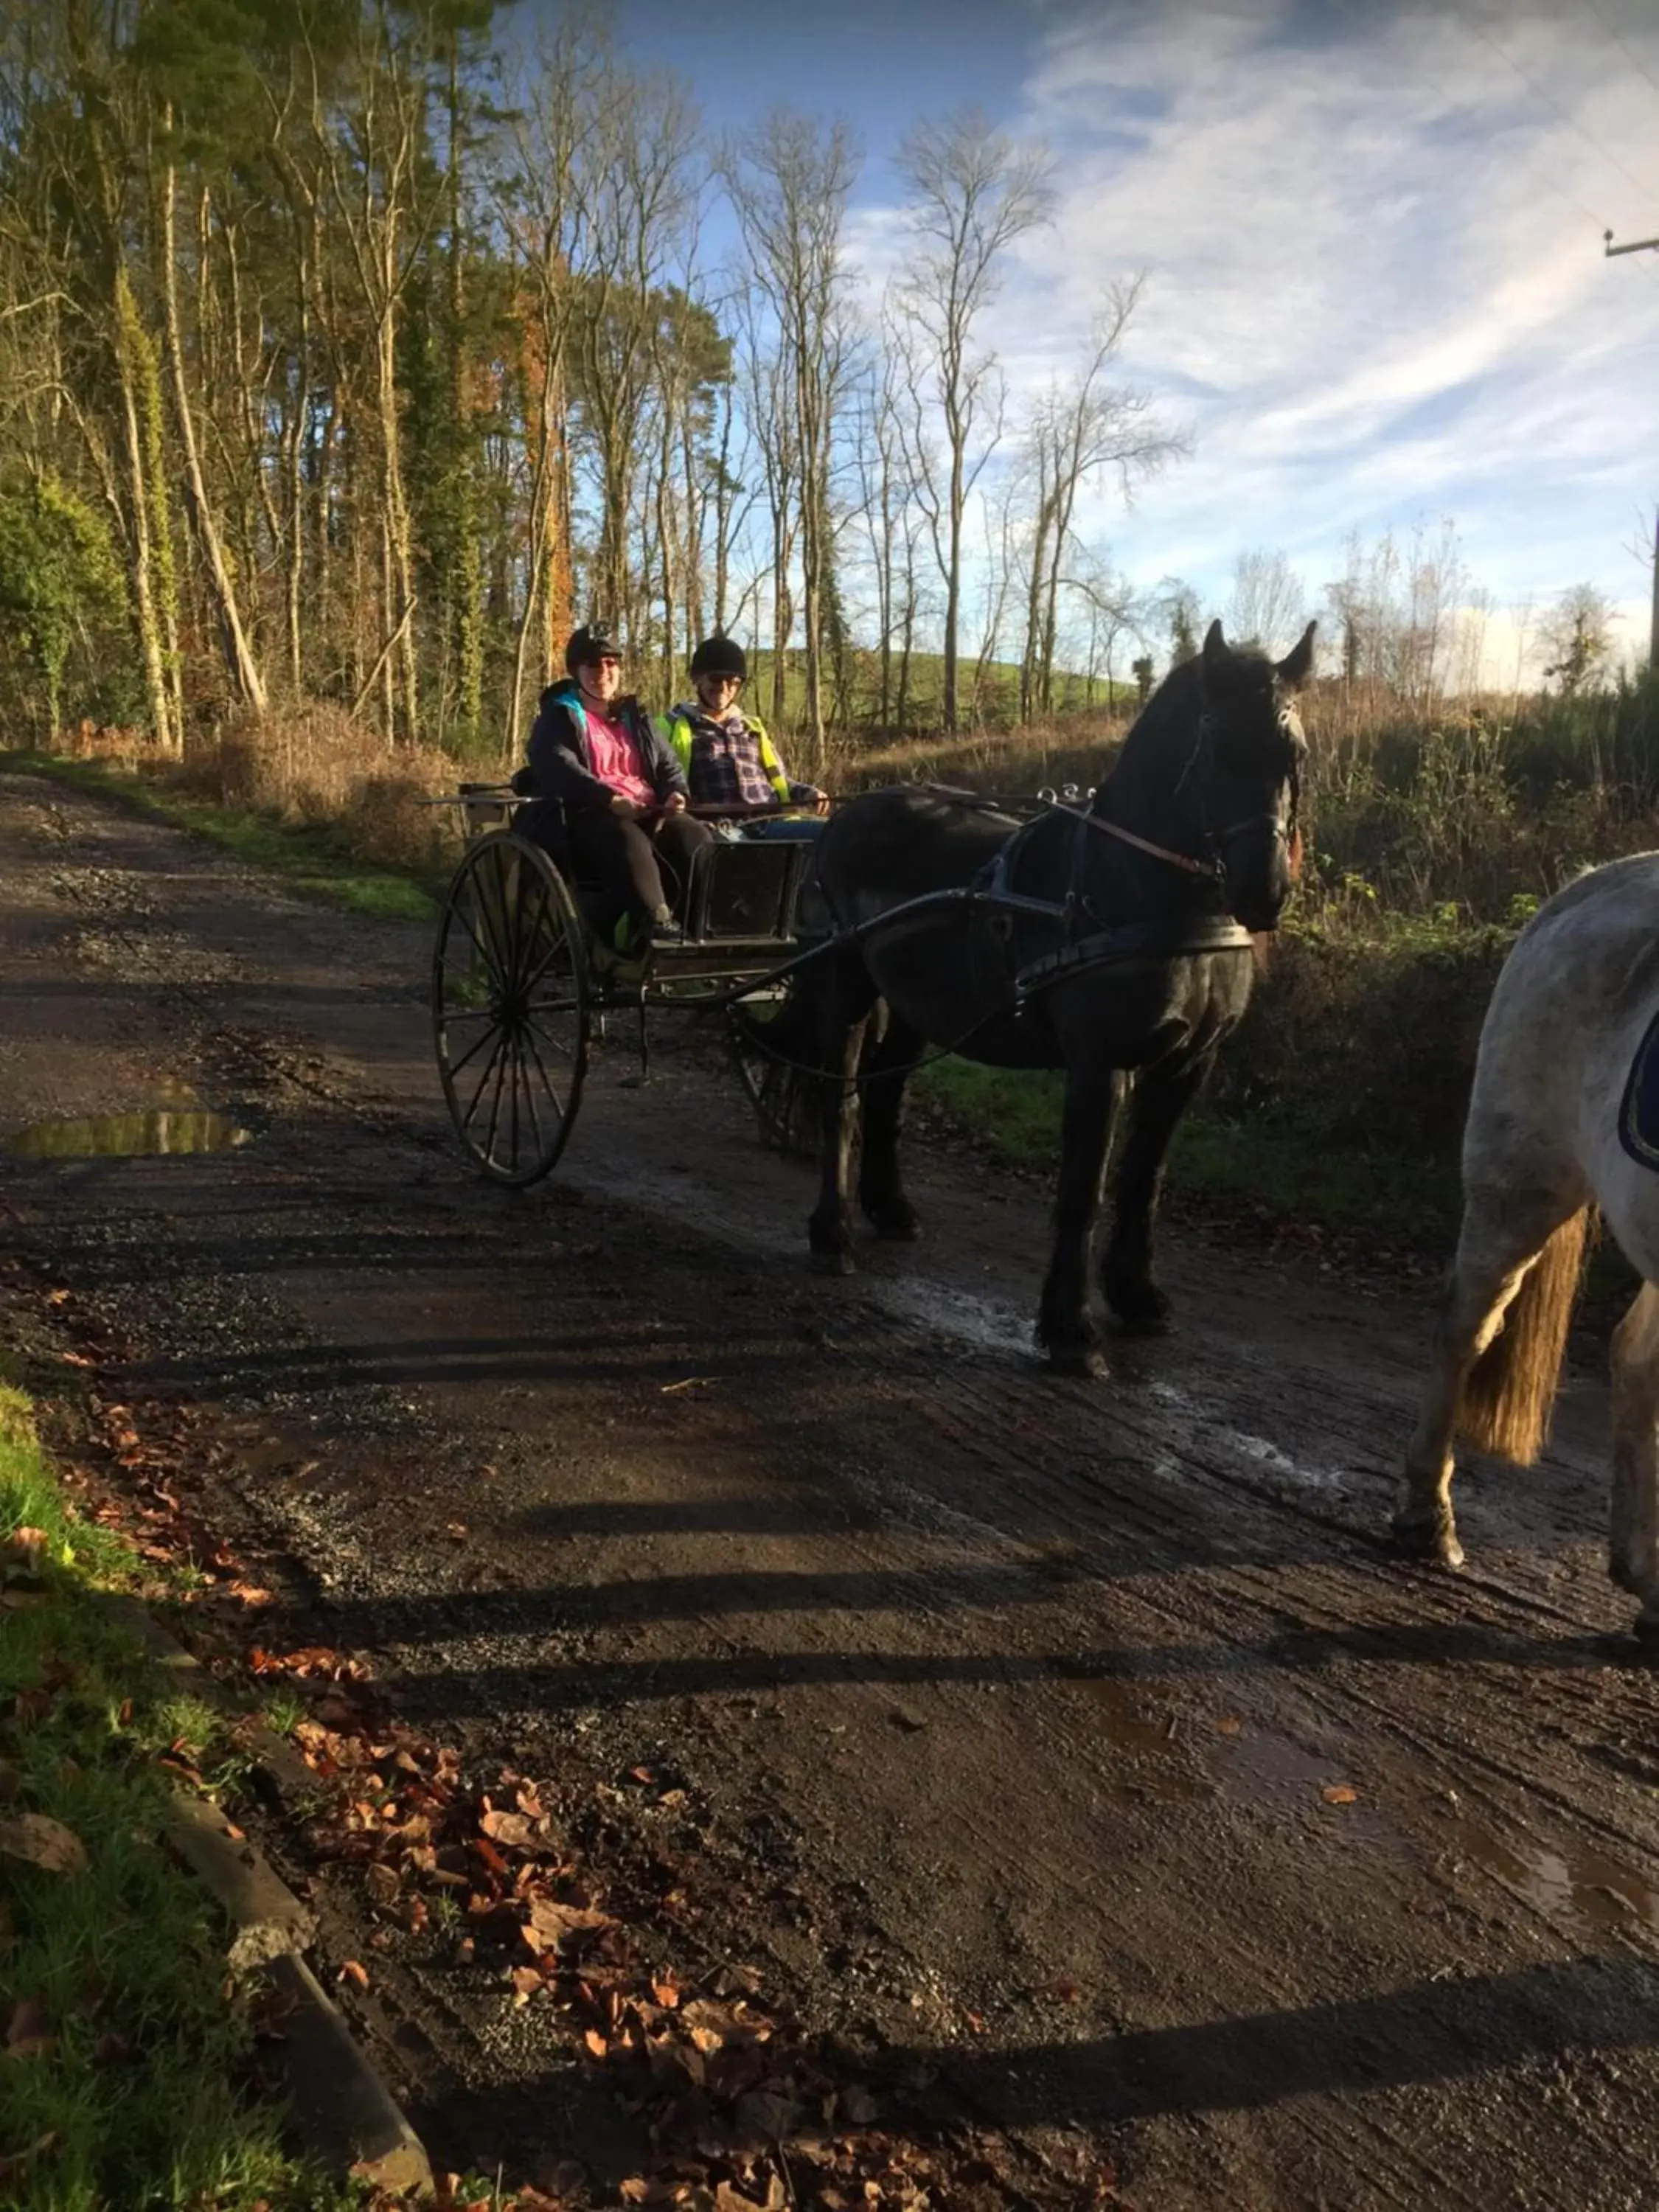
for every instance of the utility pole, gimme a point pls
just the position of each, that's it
(1644, 246)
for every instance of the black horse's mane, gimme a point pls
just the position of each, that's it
(1159, 745)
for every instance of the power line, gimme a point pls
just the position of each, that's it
(1639, 66)
(1555, 107)
(1541, 176)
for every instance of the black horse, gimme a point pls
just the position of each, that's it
(1134, 956)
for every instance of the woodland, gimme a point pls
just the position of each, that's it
(350, 350)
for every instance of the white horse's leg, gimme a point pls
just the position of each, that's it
(1503, 1233)
(1633, 1550)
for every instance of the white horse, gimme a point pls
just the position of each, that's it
(1548, 1137)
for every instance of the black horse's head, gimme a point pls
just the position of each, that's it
(1247, 775)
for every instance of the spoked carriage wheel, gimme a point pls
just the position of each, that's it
(511, 1007)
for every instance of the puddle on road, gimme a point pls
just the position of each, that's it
(1595, 1889)
(127, 1136)
(1157, 1758)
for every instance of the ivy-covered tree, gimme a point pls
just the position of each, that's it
(61, 587)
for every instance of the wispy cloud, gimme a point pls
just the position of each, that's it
(1377, 287)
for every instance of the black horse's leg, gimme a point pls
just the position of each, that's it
(1065, 1329)
(886, 1070)
(1162, 1096)
(847, 1000)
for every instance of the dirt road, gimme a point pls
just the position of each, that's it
(1002, 1715)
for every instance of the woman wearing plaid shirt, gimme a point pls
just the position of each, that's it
(728, 758)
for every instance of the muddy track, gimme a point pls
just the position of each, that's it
(1003, 1710)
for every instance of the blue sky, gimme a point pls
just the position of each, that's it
(1376, 296)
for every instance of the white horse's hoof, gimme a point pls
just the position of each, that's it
(1433, 1537)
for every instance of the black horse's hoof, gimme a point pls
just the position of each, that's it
(1148, 1323)
(895, 1224)
(832, 1263)
(1432, 1538)
(1139, 1309)
(1085, 1361)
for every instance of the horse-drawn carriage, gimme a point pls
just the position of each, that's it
(1110, 938)
(521, 981)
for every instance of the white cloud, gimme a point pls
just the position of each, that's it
(1378, 291)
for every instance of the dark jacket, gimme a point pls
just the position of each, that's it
(561, 763)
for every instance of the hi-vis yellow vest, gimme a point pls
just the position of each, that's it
(679, 736)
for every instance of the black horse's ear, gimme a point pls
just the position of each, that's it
(1296, 666)
(1216, 647)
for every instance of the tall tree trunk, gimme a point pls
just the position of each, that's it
(240, 663)
(135, 362)
(466, 582)
(953, 587)
(401, 676)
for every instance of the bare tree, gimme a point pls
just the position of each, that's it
(1267, 598)
(373, 151)
(542, 204)
(1074, 432)
(973, 194)
(638, 188)
(789, 182)
(1114, 611)
(243, 667)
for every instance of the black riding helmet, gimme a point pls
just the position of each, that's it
(592, 641)
(720, 656)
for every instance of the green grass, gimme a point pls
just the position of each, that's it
(310, 861)
(135, 2100)
(1268, 1161)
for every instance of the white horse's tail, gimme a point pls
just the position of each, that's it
(1508, 1392)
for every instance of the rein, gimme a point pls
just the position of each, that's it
(1212, 868)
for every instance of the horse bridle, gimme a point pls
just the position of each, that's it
(1284, 827)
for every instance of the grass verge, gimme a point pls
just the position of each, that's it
(310, 857)
(125, 2078)
(1015, 1114)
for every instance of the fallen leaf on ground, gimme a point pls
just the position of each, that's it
(352, 1971)
(1228, 1726)
(29, 2029)
(43, 1843)
(383, 1883)
(512, 1829)
(1062, 1992)
(727, 2199)
(596, 2043)
(28, 1543)
(549, 1922)
(1339, 1793)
